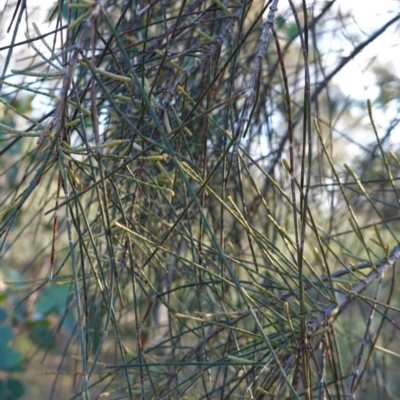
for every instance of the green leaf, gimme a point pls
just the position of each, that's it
(291, 31)
(11, 275)
(52, 300)
(11, 389)
(3, 314)
(42, 336)
(10, 359)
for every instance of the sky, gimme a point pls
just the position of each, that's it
(369, 18)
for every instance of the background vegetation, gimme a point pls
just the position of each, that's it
(192, 207)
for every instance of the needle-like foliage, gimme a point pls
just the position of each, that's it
(189, 206)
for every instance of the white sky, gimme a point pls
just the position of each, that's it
(370, 16)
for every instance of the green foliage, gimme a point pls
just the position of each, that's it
(189, 207)
(10, 360)
(11, 389)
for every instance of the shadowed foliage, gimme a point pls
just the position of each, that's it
(192, 207)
